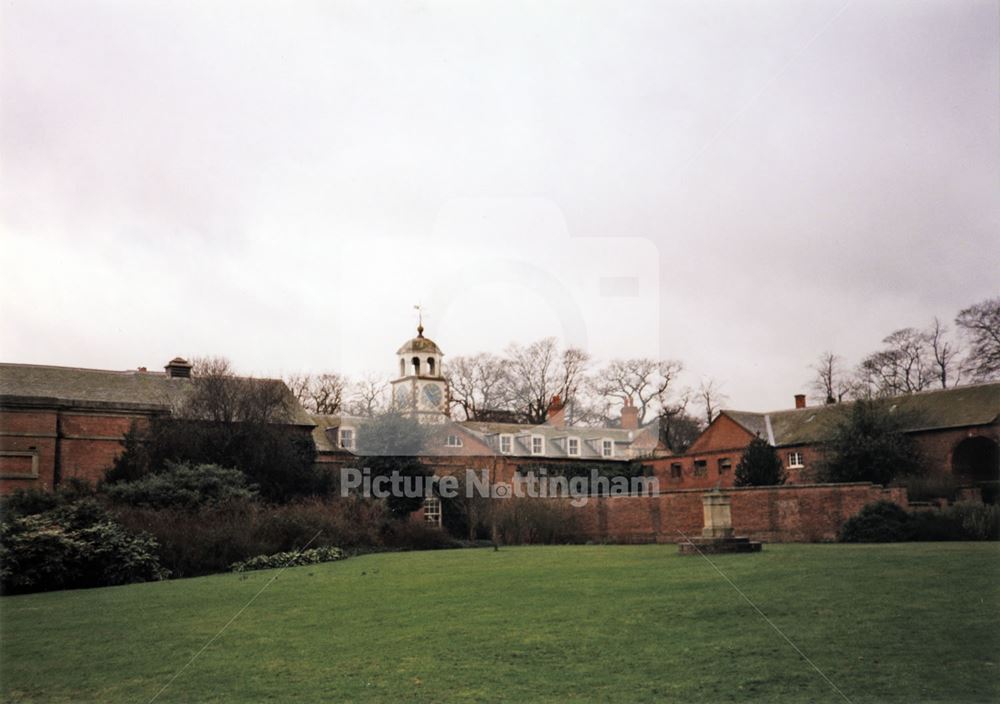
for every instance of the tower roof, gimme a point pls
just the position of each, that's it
(420, 344)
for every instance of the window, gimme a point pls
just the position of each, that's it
(506, 442)
(402, 367)
(430, 366)
(453, 441)
(573, 446)
(416, 365)
(537, 445)
(432, 510)
(676, 472)
(347, 438)
(725, 464)
(607, 448)
(795, 459)
(700, 468)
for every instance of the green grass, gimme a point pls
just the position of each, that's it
(902, 623)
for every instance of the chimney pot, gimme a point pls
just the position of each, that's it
(800, 400)
(630, 416)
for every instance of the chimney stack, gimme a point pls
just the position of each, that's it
(800, 400)
(178, 367)
(630, 416)
(556, 416)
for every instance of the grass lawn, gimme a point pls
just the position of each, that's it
(902, 623)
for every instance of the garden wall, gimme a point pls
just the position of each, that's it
(793, 513)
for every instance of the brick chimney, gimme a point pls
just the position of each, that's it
(800, 400)
(178, 367)
(557, 412)
(630, 416)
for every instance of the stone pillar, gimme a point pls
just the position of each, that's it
(718, 515)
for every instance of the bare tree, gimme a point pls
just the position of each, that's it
(903, 367)
(711, 396)
(945, 355)
(369, 397)
(478, 384)
(319, 393)
(535, 377)
(217, 395)
(980, 324)
(830, 383)
(644, 382)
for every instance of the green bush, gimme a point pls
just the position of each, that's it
(886, 522)
(183, 486)
(289, 559)
(28, 502)
(881, 522)
(76, 545)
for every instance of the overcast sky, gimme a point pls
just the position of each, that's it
(739, 185)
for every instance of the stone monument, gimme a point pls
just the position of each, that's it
(717, 534)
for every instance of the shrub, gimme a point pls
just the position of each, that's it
(534, 521)
(932, 487)
(885, 522)
(881, 522)
(28, 502)
(979, 521)
(183, 486)
(289, 559)
(213, 537)
(77, 545)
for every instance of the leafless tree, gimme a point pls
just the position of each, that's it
(369, 397)
(902, 367)
(644, 382)
(945, 355)
(711, 395)
(319, 393)
(831, 383)
(478, 384)
(980, 325)
(539, 371)
(217, 395)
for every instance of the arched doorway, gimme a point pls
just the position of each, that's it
(976, 459)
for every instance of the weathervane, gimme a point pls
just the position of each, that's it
(420, 319)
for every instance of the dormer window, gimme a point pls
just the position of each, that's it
(607, 448)
(537, 445)
(573, 447)
(506, 444)
(347, 438)
(453, 441)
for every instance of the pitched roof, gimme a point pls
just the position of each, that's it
(958, 407)
(102, 388)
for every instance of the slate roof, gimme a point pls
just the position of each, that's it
(959, 407)
(38, 384)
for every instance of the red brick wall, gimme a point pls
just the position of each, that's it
(799, 513)
(68, 444)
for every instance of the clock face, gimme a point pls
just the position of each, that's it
(432, 395)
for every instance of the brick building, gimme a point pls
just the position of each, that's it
(58, 423)
(957, 431)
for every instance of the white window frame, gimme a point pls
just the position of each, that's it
(453, 441)
(541, 442)
(349, 442)
(795, 460)
(432, 510)
(607, 447)
(508, 440)
(569, 447)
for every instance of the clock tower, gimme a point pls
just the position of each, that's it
(421, 391)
